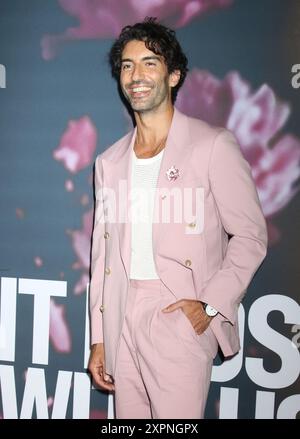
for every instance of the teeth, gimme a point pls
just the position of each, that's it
(138, 89)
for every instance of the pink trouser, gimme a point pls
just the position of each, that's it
(163, 367)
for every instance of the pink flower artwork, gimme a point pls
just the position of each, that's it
(20, 213)
(69, 185)
(77, 145)
(105, 18)
(98, 414)
(256, 118)
(81, 243)
(38, 261)
(60, 335)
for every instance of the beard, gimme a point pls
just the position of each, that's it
(148, 103)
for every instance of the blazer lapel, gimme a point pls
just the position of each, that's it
(177, 154)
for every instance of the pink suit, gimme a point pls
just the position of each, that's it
(192, 263)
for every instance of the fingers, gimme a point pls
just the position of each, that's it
(173, 306)
(105, 386)
(96, 367)
(109, 382)
(198, 318)
(183, 304)
(103, 380)
(108, 378)
(199, 331)
(201, 327)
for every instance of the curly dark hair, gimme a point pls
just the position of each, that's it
(159, 39)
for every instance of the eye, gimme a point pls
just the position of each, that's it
(149, 63)
(126, 66)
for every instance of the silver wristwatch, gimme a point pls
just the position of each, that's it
(210, 311)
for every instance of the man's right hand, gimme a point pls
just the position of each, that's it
(97, 367)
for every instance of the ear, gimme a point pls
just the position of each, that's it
(174, 78)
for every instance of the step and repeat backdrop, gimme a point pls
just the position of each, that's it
(59, 108)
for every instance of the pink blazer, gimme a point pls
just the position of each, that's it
(193, 262)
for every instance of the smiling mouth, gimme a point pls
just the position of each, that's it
(139, 92)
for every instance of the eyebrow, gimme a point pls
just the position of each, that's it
(145, 58)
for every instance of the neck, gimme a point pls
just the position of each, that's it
(153, 127)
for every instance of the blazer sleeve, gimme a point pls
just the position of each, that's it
(241, 215)
(97, 259)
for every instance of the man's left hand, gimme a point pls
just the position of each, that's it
(193, 309)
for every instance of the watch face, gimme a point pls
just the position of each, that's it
(210, 311)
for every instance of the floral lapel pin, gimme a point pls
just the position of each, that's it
(172, 173)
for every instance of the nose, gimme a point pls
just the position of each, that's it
(137, 73)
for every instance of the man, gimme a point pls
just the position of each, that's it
(165, 292)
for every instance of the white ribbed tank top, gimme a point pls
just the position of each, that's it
(144, 174)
